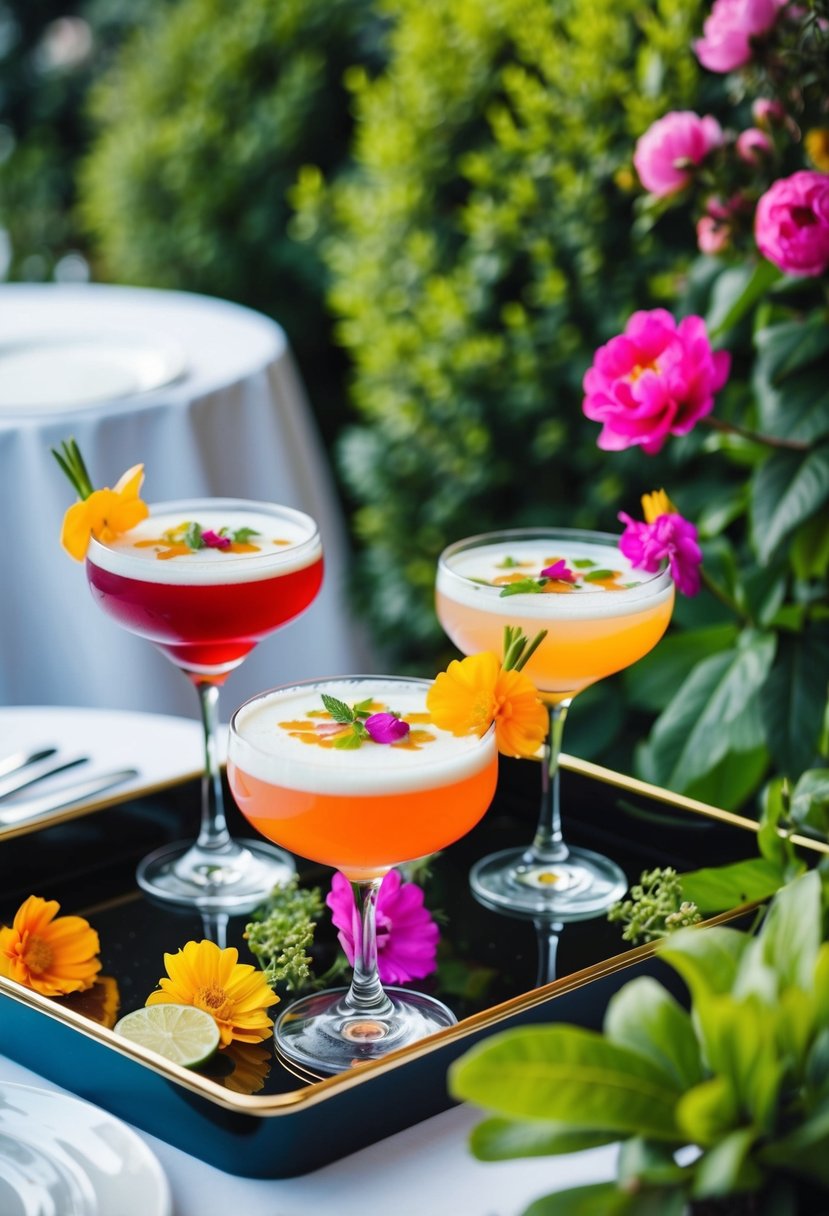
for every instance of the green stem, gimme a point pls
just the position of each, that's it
(769, 441)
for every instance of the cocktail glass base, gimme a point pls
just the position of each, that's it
(582, 885)
(239, 876)
(324, 1034)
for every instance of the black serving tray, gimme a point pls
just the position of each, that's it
(247, 1113)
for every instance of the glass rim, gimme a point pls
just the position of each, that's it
(651, 582)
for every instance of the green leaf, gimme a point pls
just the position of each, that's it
(791, 932)
(810, 800)
(720, 888)
(809, 548)
(805, 1150)
(598, 1199)
(595, 575)
(736, 291)
(568, 1075)
(790, 384)
(354, 739)
(651, 683)
(525, 586)
(708, 1111)
(785, 491)
(707, 959)
(242, 535)
(338, 710)
(725, 1167)
(505, 1139)
(739, 1043)
(793, 699)
(734, 779)
(643, 1161)
(193, 535)
(644, 1016)
(713, 712)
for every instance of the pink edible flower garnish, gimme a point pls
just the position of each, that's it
(559, 570)
(647, 545)
(386, 728)
(407, 936)
(213, 540)
(656, 379)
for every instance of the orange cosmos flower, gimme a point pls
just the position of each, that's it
(51, 954)
(233, 993)
(104, 514)
(476, 691)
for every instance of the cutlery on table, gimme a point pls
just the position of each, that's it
(17, 760)
(79, 791)
(36, 771)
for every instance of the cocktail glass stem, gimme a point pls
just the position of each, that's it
(548, 844)
(366, 993)
(213, 834)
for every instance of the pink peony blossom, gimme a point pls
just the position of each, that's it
(647, 546)
(729, 29)
(791, 223)
(386, 728)
(407, 936)
(754, 146)
(667, 153)
(655, 380)
(768, 113)
(713, 234)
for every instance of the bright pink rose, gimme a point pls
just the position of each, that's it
(729, 29)
(791, 223)
(667, 153)
(647, 546)
(407, 936)
(655, 380)
(754, 146)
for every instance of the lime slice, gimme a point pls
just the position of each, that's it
(182, 1033)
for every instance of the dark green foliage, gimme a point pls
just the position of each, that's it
(479, 251)
(203, 125)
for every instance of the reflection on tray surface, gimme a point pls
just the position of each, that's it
(484, 957)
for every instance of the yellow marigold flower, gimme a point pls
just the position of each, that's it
(657, 504)
(51, 954)
(104, 514)
(476, 691)
(235, 994)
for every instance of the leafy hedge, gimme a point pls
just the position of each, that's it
(479, 250)
(202, 125)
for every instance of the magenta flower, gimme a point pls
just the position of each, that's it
(669, 151)
(791, 223)
(655, 380)
(730, 29)
(407, 936)
(647, 546)
(214, 541)
(754, 146)
(559, 570)
(768, 113)
(713, 234)
(386, 728)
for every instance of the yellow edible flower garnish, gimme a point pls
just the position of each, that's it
(51, 954)
(105, 514)
(474, 692)
(235, 994)
(657, 504)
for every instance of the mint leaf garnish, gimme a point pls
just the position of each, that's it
(509, 563)
(583, 563)
(596, 575)
(525, 586)
(242, 535)
(338, 710)
(353, 739)
(192, 535)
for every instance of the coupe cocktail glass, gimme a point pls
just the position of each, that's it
(612, 616)
(205, 609)
(361, 810)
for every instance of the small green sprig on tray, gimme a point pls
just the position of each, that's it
(655, 907)
(282, 935)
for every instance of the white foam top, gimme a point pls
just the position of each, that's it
(465, 578)
(286, 539)
(263, 748)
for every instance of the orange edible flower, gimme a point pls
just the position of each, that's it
(235, 994)
(105, 514)
(51, 954)
(476, 691)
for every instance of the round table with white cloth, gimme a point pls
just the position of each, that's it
(205, 394)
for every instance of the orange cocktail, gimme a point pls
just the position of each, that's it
(603, 622)
(352, 772)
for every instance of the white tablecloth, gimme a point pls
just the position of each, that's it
(237, 424)
(426, 1170)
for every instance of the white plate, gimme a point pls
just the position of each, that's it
(60, 1156)
(64, 371)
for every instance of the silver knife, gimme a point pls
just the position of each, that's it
(80, 791)
(33, 772)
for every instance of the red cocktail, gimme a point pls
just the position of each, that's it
(205, 580)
